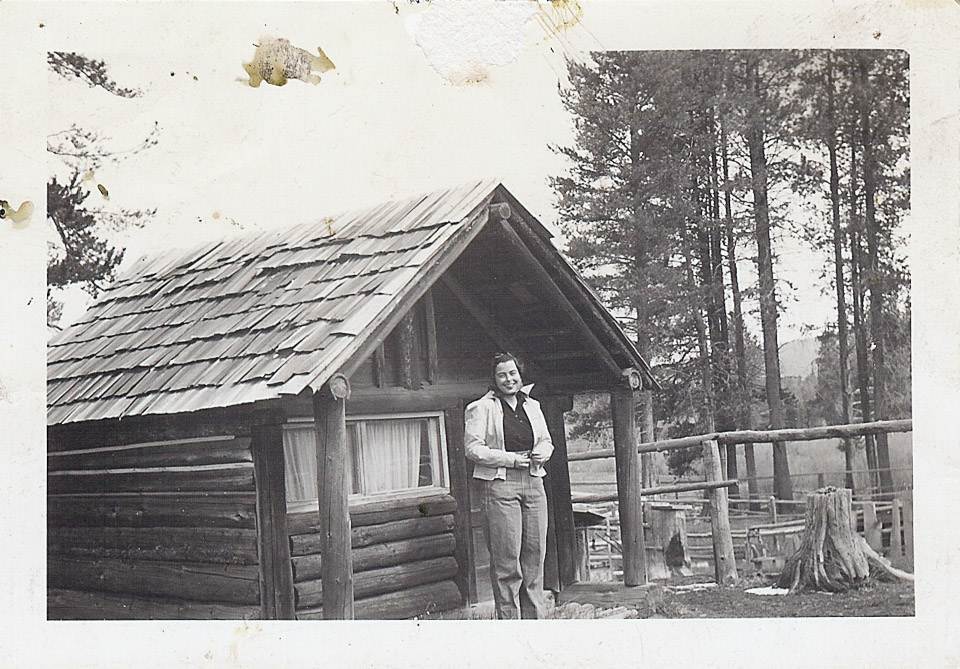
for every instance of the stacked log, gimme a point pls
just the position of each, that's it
(158, 530)
(403, 559)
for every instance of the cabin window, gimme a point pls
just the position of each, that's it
(387, 455)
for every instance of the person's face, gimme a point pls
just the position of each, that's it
(507, 377)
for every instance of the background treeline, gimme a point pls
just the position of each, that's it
(688, 173)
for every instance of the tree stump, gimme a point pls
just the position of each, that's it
(833, 557)
(830, 557)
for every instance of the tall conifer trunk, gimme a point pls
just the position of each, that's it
(859, 326)
(782, 485)
(838, 271)
(745, 405)
(874, 279)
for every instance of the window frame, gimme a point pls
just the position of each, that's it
(406, 493)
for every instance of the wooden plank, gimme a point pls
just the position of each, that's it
(276, 575)
(623, 407)
(430, 318)
(153, 510)
(408, 355)
(558, 479)
(725, 563)
(237, 584)
(334, 487)
(167, 544)
(377, 512)
(381, 581)
(78, 605)
(417, 601)
(367, 535)
(187, 452)
(184, 479)
(460, 489)
(379, 364)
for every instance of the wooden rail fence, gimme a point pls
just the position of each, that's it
(716, 485)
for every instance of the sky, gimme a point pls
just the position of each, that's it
(404, 113)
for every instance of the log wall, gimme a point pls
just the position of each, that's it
(158, 530)
(404, 562)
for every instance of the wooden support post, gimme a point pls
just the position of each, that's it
(551, 569)
(430, 316)
(558, 482)
(725, 562)
(583, 555)
(333, 484)
(623, 406)
(466, 578)
(379, 362)
(276, 571)
(408, 356)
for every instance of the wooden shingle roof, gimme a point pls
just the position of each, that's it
(251, 318)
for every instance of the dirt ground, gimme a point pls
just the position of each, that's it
(877, 599)
(699, 597)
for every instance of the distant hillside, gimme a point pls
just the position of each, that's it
(798, 357)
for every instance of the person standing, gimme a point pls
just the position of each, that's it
(506, 437)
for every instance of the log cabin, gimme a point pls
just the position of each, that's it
(271, 426)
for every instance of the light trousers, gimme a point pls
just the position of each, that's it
(516, 529)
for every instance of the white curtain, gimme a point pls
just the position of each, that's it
(383, 456)
(300, 463)
(389, 455)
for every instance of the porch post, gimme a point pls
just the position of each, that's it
(623, 407)
(558, 487)
(276, 571)
(333, 486)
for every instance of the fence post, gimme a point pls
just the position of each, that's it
(872, 531)
(907, 519)
(896, 541)
(726, 564)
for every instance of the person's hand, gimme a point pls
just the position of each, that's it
(522, 460)
(537, 458)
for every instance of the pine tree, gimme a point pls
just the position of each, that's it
(82, 255)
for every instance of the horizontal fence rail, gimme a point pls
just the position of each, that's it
(759, 437)
(659, 490)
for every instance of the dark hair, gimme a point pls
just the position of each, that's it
(499, 358)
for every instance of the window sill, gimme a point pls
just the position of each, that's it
(359, 503)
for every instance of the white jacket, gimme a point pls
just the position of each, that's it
(483, 436)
